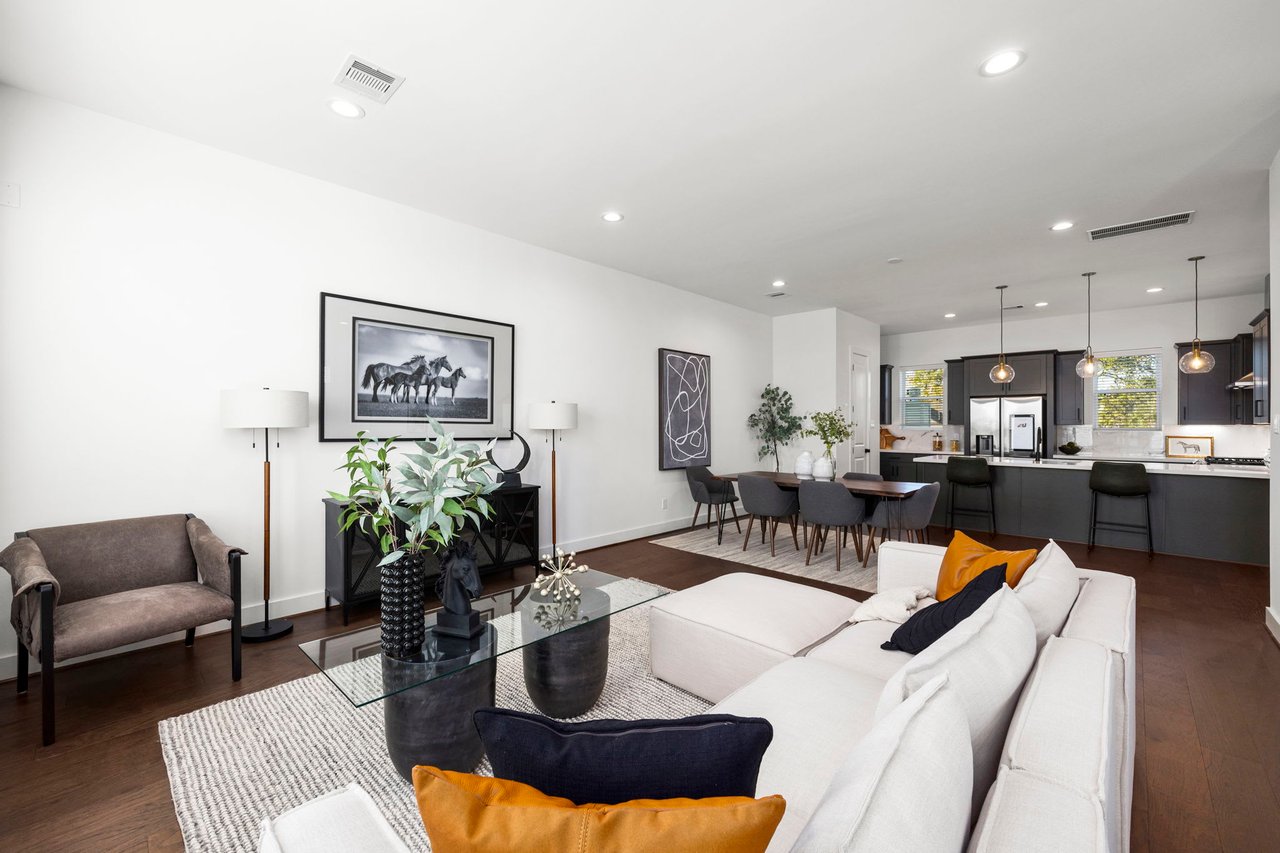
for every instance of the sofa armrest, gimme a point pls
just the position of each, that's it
(213, 556)
(27, 567)
(908, 564)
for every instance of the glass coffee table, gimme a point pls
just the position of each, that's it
(428, 702)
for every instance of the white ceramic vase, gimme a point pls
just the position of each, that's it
(824, 468)
(804, 465)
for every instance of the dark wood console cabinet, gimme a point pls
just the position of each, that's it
(505, 541)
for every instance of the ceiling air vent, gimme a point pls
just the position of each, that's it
(368, 79)
(1141, 225)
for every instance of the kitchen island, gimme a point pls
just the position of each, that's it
(1217, 512)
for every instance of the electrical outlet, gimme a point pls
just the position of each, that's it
(9, 195)
(664, 503)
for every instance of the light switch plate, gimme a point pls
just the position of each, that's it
(9, 195)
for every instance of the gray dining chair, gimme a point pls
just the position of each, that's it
(871, 502)
(828, 505)
(766, 500)
(911, 516)
(707, 489)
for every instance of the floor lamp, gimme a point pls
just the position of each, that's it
(556, 417)
(264, 409)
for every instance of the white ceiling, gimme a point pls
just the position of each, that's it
(744, 141)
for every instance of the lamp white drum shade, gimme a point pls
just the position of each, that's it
(553, 416)
(256, 408)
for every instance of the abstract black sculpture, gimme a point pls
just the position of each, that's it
(511, 476)
(459, 582)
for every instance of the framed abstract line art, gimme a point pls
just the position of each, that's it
(386, 368)
(684, 409)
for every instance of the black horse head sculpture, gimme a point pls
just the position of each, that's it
(459, 580)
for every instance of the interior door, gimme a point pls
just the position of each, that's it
(860, 386)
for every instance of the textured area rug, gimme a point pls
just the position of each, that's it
(232, 764)
(789, 561)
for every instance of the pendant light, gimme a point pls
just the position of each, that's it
(1002, 373)
(1197, 361)
(1087, 367)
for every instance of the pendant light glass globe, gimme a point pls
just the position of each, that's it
(1002, 373)
(1087, 367)
(1197, 361)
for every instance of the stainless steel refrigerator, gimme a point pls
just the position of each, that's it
(1015, 425)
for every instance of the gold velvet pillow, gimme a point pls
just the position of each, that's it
(966, 559)
(476, 814)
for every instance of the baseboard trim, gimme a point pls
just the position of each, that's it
(1273, 622)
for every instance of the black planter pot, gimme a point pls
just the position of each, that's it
(403, 630)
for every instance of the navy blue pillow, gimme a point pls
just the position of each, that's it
(612, 761)
(927, 625)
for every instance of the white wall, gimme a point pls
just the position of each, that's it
(1273, 611)
(143, 272)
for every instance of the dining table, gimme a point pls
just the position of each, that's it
(890, 490)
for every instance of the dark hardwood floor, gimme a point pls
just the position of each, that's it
(1208, 739)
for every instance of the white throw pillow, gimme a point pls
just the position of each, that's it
(339, 821)
(1048, 590)
(905, 786)
(892, 605)
(988, 657)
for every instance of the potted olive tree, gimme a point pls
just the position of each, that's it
(774, 423)
(414, 506)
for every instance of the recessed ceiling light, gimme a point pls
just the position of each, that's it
(1154, 289)
(949, 316)
(1041, 304)
(345, 108)
(895, 260)
(779, 283)
(611, 216)
(1001, 63)
(1062, 226)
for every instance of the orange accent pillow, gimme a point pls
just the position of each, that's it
(966, 559)
(477, 814)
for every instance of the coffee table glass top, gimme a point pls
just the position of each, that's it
(513, 619)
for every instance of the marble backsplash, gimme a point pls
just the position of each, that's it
(916, 439)
(1227, 440)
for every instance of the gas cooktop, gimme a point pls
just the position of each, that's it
(1234, 460)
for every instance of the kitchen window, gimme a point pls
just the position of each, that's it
(923, 396)
(1127, 391)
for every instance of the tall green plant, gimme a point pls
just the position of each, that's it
(774, 423)
(424, 500)
(831, 428)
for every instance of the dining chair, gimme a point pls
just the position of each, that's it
(766, 500)
(707, 489)
(911, 515)
(828, 505)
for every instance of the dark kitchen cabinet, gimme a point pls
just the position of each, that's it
(957, 407)
(1262, 368)
(1203, 398)
(1032, 374)
(886, 394)
(1069, 390)
(1241, 365)
(977, 378)
(898, 467)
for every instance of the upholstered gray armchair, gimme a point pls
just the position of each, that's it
(86, 588)
(706, 488)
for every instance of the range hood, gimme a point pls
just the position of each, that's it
(1244, 382)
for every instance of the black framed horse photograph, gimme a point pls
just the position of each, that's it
(387, 368)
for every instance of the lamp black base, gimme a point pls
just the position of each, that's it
(261, 632)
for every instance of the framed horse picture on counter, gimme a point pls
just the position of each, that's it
(386, 368)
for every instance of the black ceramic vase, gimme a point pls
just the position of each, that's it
(402, 598)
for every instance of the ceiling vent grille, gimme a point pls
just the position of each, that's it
(1141, 225)
(368, 79)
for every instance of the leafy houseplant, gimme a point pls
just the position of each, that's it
(774, 423)
(416, 506)
(831, 428)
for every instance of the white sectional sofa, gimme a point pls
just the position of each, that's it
(1044, 674)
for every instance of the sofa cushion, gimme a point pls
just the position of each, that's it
(717, 636)
(928, 625)
(337, 822)
(858, 648)
(905, 786)
(988, 657)
(110, 621)
(612, 761)
(967, 558)
(1064, 727)
(1030, 814)
(464, 813)
(819, 712)
(1104, 611)
(1048, 591)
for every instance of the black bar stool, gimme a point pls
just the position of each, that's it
(1119, 480)
(970, 472)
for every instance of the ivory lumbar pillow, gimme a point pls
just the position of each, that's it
(892, 605)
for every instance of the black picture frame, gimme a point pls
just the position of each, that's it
(348, 406)
(684, 409)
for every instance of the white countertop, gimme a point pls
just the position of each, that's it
(1255, 472)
